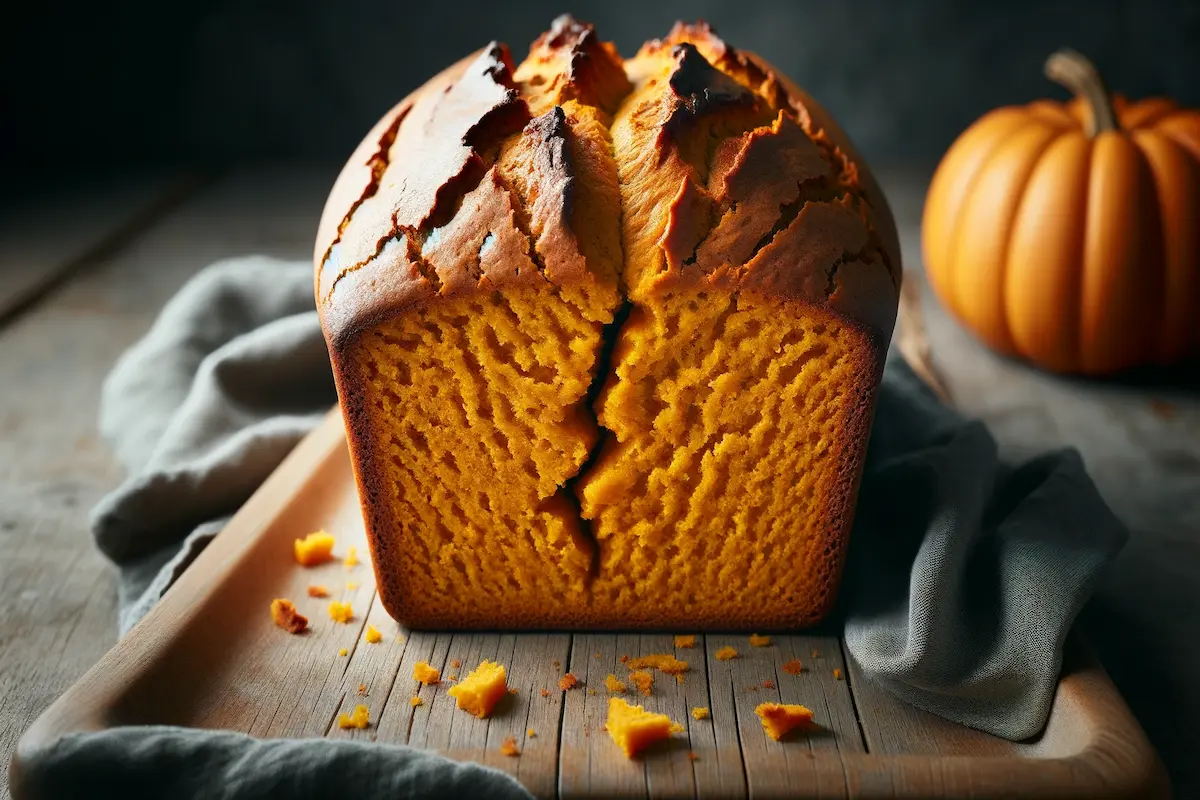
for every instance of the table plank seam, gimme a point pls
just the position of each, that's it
(846, 658)
(105, 248)
(391, 687)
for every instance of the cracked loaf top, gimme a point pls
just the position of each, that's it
(493, 174)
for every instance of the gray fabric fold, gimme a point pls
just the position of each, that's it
(161, 761)
(964, 574)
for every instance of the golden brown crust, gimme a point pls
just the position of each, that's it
(783, 208)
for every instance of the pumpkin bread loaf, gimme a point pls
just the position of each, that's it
(607, 335)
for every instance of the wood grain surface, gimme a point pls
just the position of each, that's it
(1140, 439)
(209, 656)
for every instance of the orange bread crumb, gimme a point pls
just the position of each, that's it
(633, 728)
(727, 653)
(700, 712)
(453, 678)
(768, 684)
(759, 641)
(624, 659)
(643, 680)
(613, 685)
(454, 662)
(663, 662)
(685, 642)
(793, 667)
(512, 690)
(676, 728)
(415, 701)
(318, 591)
(373, 635)
(545, 692)
(837, 674)
(351, 559)
(284, 613)
(343, 652)
(692, 756)
(568, 681)
(315, 548)
(340, 612)
(778, 719)
(679, 678)
(816, 653)
(362, 690)
(479, 692)
(509, 747)
(359, 718)
(426, 674)
(530, 733)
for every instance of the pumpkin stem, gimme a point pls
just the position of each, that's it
(1072, 70)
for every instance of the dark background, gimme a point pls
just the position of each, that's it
(146, 83)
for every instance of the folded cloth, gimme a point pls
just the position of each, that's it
(161, 761)
(963, 579)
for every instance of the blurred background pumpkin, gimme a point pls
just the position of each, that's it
(1069, 234)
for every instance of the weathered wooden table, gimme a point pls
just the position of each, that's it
(83, 273)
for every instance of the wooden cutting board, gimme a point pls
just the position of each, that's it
(208, 656)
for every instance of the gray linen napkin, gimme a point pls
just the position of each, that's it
(963, 579)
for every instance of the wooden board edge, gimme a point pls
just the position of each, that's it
(90, 704)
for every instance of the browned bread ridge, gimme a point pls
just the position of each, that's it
(607, 336)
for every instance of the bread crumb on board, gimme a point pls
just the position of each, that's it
(340, 612)
(530, 733)
(509, 747)
(686, 642)
(315, 548)
(343, 652)
(373, 635)
(759, 641)
(793, 667)
(351, 559)
(423, 673)
(359, 718)
(727, 653)
(837, 674)
(479, 692)
(415, 701)
(700, 712)
(663, 662)
(643, 680)
(318, 591)
(568, 681)
(633, 728)
(778, 719)
(285, 615)
(614, 685)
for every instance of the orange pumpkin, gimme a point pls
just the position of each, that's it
(1069, 234)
